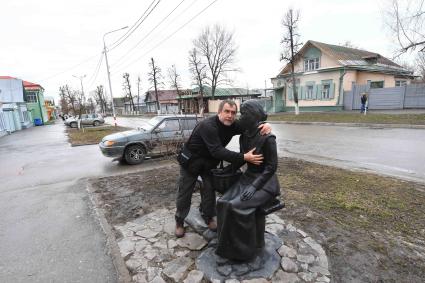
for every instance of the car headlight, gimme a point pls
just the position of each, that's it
(109, 143)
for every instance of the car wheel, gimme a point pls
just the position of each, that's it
(73, 124)
(96, 123)
(134, 154)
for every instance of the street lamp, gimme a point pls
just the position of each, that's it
(107, 70)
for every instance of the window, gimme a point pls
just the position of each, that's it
(326, 90)
(188, 124)
(31, 97)
(400, 83)
(170, 126)
(309, 92)
(378, 84)
(311, 64)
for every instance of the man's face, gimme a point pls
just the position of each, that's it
(227, 115)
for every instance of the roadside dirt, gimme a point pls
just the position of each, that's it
(371, 227)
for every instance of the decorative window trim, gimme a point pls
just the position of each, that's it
(311, 64)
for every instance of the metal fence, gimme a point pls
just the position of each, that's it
(409, 96)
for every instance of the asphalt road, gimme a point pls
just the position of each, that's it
(390, 151)
(48, 230)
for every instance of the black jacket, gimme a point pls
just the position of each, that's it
(208, 142)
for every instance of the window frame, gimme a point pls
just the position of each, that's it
(32, 97)
(374, 83)
(311, 64)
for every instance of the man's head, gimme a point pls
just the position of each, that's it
(227, 112)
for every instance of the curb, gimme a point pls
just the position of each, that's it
(367, 125)
(123, 276)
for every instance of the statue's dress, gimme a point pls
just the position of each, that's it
(240, 224)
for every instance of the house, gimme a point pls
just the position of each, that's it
(34, 96)
(119, 105)
(49, 104)
(324, 71)
(191, 100)
(168, 102)
(14, 114)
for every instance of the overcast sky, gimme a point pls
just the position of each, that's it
(49, 41)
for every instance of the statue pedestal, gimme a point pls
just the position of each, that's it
(264, 265)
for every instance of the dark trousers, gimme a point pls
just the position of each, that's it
(186, 185)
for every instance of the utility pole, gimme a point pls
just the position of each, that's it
(109, 74)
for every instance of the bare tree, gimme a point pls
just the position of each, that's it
(91, 105)
(63, 102)
(70, 97)
(216, 44)
(127, 90)
(420, 65)
(291, 46)
(406, 20)
(175, 82)
(99, 97)
(154, 77)
(197, 68)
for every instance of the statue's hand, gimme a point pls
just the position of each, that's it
(265, 129)
(248, 193)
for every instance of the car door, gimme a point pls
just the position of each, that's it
(166, 136)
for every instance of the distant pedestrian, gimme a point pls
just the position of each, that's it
(363, 100)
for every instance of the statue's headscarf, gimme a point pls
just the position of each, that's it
(252, 113)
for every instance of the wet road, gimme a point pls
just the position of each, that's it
(395, 152)
(48, 230)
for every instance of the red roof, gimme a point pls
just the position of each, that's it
(26, 84)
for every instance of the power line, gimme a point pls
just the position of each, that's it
(133, 29)
(70, 68)
(152, 30)
(96, 72)
(168, 37)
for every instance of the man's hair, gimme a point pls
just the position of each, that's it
(228, 101)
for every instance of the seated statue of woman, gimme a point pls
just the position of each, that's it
(241, 226)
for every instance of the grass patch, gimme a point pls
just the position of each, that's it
(343, 117)
(92, 135)
(356, 199)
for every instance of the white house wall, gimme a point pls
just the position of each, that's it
(11, 90)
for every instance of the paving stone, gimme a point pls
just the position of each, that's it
(124, 231)
(182, 253)
(291, 228)
(172, 244)
(134, 264)
(152, 272)
(319, 269)
(306, 258)
(255, 280)
(141, 245)
(158, 279)
(304, 267)
(176, 268)
(232, 281)
(288, 265)
(209, 235)
(323, 279)
(192, 241)
(195, 276)
(152, 240)
(273, 218)
(302, 233)
(315, 246)
(307, 276)
(126, 248)
(147, 233)
(322, 261)
(160, 245)
(286, 251)
(284, 277)
(140, 278)
(169, 227)
(274, 228)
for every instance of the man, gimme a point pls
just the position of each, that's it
(207, 145)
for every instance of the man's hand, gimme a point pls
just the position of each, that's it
(265, 129)
(248, 193)
(250, 157)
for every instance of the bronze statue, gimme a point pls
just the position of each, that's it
(241, 224)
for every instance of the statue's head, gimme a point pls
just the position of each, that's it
(252, 113)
